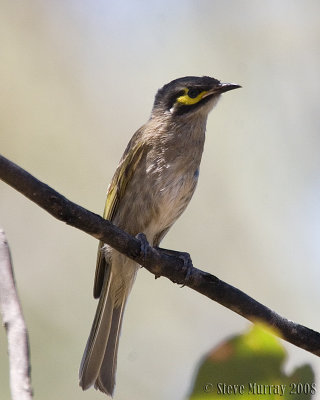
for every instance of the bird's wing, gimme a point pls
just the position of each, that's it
(116, 190)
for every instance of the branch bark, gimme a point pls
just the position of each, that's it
(18, 342)
(155, 260)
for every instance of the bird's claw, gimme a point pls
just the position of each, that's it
(144, 247)
(187, 263)
(144, 244)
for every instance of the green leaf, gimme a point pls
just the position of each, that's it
(250, 367)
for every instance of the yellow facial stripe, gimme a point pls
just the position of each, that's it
(185, 99)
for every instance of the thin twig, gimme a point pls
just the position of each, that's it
(18, 342)
(155, 260)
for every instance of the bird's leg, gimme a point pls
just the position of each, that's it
(185, 257)
(144, 247)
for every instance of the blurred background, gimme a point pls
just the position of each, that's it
(77, 78)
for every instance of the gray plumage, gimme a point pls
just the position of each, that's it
(151, 187)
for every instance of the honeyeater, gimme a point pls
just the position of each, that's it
(152, 185)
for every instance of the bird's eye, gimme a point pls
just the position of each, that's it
(193, 93)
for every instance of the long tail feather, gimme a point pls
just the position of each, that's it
(98, 338)
(106, 378)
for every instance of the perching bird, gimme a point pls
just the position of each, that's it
(152, 186)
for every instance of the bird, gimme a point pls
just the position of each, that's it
(151, 187)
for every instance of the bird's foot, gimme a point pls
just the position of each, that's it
(185, 257)
(144, 244)
(145, 248)
(187, 263)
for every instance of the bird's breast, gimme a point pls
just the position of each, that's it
(173, 188)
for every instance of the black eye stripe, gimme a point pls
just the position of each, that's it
(184, 109)
(193, 92)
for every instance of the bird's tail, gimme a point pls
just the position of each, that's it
(99, 361)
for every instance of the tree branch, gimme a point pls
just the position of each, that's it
(18, 342)
(155, 260)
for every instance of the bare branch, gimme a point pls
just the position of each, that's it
(18, 342)
(155, 260)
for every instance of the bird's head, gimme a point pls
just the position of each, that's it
(190, 95)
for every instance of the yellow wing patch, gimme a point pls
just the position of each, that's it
(121, 179)
(115, 193)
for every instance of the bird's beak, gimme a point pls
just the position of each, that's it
(221, 88)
